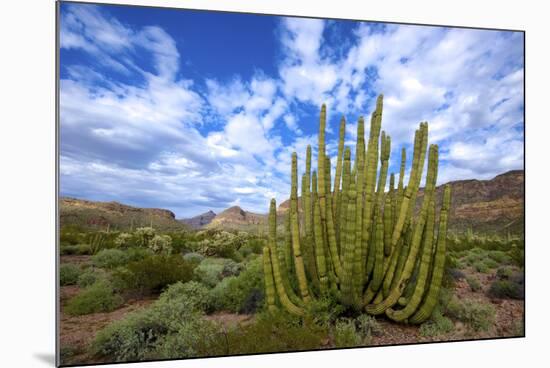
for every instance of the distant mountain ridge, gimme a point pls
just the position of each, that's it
(483, 205)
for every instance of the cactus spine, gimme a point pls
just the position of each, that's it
(357, 241)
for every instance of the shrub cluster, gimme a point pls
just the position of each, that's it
(98, 297)
(479, 316)
(68, 274)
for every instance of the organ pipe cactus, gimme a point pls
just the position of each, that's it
(358, 241)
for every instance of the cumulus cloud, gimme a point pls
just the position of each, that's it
(137, 128)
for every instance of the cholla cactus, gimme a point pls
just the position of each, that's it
(123, 240)
(161, 244)
(144, 235)
(362, 243)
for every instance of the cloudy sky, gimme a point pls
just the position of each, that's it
(193, 111)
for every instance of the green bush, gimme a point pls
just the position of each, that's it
(491, 263)
(195, 294)
(481, 266)
(124, 240)
(137, 253)
(478, 316)
(518, 256)
(275, 331)
(368, 327)
(325, 310)
(437, 325)
(345, 334)
(212, 270)
(500, 257)
(144, 235)
(242, 293)
(193, 258)
(474, 283)
(98, 297)
(68, 274)
(504, 273)
(90, 276)
(110, 258)
(152, 274)
(172, 327)
(506, 289)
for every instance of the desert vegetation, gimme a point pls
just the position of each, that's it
(352, 262)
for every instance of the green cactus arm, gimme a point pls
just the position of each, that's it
(275, 266)
(268, 280)
(414, 300)
(430, 300)
(342, 221)
(319, 249)
(396, 292)
(388, 219)
(336, 196)
(346, 285)
(295, 232)
(309, 253)
(358, 270)
(378, 269)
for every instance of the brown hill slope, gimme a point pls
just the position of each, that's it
(238, 219)
(199, 221)
(100, 215)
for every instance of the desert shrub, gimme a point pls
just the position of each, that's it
(274, 332)
(138, 253)
(437, 325)
(90, 276)
(325, 310)
(161, 244)
(193, 258)
(506, 289)
(78, 249)
(71, 235)
(504, 273)
(346, 335)
(456, 274)
(491, 263)
(242, 293)
(172, 327)
(481, 266)
(152, 274)
(220, 243)
(500, 257)
(479, 316)
(98, 297)
(368, 326)
(195, 294)
(212, 270)
(474, 283)
(68, 274)
(110, 258)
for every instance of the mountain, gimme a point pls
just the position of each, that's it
(236, 218)
(199, 221)
(114, 215)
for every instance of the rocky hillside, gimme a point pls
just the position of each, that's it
(199, 221)
(114, 215)
(238, 219)
(487, 205)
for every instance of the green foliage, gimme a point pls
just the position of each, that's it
(90, 276)
(346, 335)
(212, 270)
(481, 266)
(68, 274)
(195, 294)
(325, 310)
(161, 244)
(110, 258)
(193, 258)
(242, 293)
(479, 316)
(506, 289)
(437, 325)
(500, 257)
(504, 273)
(368, 326)
(220, 243)
(98, 297)
(172, 327)
(137, 253)
(518, 255)
(275, 331)
(71, 235)
(474, 283)
(152, 274)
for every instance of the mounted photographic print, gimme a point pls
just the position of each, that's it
(234, 183)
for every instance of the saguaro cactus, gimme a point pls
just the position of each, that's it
(363, 243)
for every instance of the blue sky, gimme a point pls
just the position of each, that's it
(192, 111)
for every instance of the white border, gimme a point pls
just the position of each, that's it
(27, 181)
